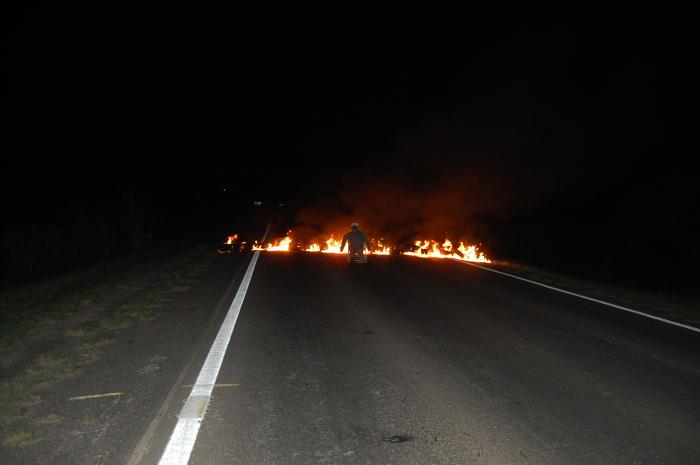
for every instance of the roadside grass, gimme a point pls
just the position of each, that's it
(49, 419)
(81, 330)
(94, 342)
(52, 302)
(143, 311)
(46, 303)
(138, 311)
(147, 309)
(21, 438)
(80, 344)
(52, 366)
(77, 331)
(88, 356)
(118, 321)
(52, 299)
(183, 286)
(15, 398)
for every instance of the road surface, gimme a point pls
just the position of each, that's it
(411, 361)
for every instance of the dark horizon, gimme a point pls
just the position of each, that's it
(559, 138)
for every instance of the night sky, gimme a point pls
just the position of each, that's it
(532, 130)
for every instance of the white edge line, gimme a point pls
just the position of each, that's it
(181, 442)
(609, 304)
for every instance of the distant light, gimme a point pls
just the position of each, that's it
(257, 203)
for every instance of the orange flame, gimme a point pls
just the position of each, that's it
(380, 248)
(333, 246)
(280, 245)
(432, 249)
(313, 248)
(231, 239)
(424, 249)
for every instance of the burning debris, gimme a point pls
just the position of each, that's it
(281, 245)
(232, 245)
(432, 249)
(331, 245)
(424, 248)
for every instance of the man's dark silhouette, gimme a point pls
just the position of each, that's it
(357, 242)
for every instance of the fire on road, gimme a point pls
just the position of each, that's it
(427, 248)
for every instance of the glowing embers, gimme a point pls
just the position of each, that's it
(432, 249)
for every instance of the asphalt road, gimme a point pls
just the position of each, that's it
(410, 361)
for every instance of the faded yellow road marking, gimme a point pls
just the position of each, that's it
(97, 396)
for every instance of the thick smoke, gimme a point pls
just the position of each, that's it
(423, 197)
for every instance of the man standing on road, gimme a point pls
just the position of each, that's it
(357, 242)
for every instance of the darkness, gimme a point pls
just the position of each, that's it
(557, 137)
